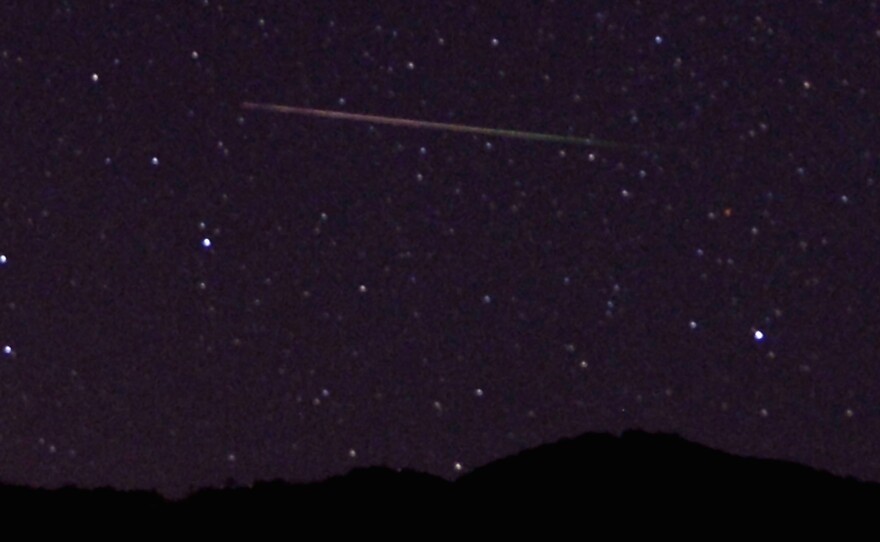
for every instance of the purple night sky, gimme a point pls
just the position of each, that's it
(192, 292)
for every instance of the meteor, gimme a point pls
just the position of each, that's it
(425, 125)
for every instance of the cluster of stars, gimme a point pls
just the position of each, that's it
(587, 271)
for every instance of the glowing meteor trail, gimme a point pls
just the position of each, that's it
(410, 123)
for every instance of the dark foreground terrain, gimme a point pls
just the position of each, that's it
(624, 475)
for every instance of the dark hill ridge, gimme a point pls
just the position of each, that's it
(635, 469)
(642, 461)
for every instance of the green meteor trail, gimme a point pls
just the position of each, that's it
(410, 123)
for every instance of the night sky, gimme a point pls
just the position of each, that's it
(191, 292)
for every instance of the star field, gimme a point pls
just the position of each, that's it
(192, 292)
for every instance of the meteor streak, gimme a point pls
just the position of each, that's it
(411, 123)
